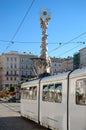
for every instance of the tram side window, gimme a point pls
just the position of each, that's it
(31, 93)
(34, 93)
(25, 93)
(21, 92)
(58, 93)
(81, 92)
(45, 93)
(51, 93)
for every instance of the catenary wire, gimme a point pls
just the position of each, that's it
(57, 43)
(69, 50)
(68, 42)
(28, 10)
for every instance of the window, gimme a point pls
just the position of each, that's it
(34, 93)
(7, 73)
(7, 58)
(15, 72)
(11, 72)
(11, 78)
(15, 78)
(81, 92)
(58, 93)
(7, 78)
(52, 93)
(15, 58)
(24, 93)
(11, 59)
(15, 66)
(45, 93)
(11, 66)
(30, 92)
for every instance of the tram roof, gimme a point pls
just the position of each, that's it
(78, 72)
(57, 77)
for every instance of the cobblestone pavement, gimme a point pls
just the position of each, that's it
(11, 120)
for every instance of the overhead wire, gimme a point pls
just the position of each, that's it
(28, 10)
(23, 19)
(57, 43)
(68, 42)
(69, 50)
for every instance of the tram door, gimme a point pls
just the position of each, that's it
(77, 104)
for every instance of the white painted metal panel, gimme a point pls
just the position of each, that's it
(52, 114)
(77, 112)
(29, 108)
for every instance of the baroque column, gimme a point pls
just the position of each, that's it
(44, 62)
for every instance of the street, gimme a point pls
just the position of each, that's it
(10, 118)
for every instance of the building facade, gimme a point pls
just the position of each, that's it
(67, 64)
(82, 57)
(56, 65)
(15, 68)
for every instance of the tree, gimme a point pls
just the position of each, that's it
(76, 61)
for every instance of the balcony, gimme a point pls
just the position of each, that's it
(11, 74)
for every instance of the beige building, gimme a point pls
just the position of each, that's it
(15, 68)
(61, 65)
(56, 65)
(27, 66)
(9, 69)
(67, 64)
(82, 57)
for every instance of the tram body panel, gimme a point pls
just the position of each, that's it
(54, 106)
(30, 111)
(29, 103)
(53, 112)
(77, 100)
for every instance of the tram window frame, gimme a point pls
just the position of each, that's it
(51, 89)
(30, 93)
(34, 93)
(45, 93)
(21, 93)
(58, 94)
(80, 92)
(25, 93)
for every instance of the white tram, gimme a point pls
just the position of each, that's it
(56, 102)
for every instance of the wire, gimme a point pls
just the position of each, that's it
(28, 10)
(59, 43)
(69, 50)
(23, 19)
(68, 42)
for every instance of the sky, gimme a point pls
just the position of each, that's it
(22, 32)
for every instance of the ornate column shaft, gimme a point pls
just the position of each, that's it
(44, 64)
